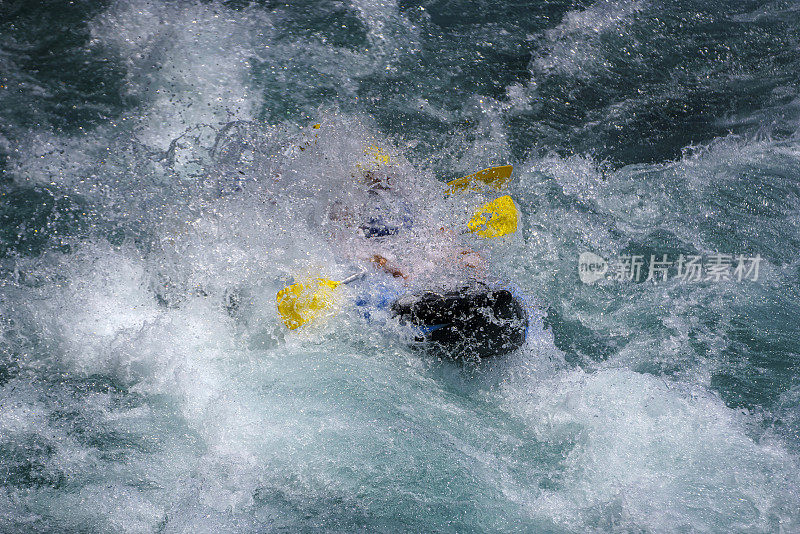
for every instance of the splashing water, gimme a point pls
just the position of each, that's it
(163, 178)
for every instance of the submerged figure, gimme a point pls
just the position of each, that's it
(438, 286)
(388, 230)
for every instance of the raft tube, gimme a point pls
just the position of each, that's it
(474, 321)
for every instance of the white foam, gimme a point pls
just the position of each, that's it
(575, 47)
(248, 426)
(645, 454)
(189, 63)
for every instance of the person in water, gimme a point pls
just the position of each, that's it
(437, 286)
(388, 219)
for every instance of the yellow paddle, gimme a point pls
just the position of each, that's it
(496, 177)
(303, 302)
(495, 219)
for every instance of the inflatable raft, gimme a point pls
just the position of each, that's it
(472, 321)
(475, 320)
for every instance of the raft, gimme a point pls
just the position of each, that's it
(473, 321)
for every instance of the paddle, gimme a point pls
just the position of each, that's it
(495, 219)
(495, 177)
(303, 302)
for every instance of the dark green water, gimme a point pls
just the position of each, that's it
(153, 199)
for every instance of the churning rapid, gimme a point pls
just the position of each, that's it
(168, 167)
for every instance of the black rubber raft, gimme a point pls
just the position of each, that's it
(472, 322)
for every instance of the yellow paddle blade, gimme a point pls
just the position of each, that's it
(496, 177)
(495, 219)
(301, 303)
(376, 159)
(381, 157)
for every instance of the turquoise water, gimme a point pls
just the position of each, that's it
(154, 198)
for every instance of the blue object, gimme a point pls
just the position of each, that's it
(379, 226)
(375, 296)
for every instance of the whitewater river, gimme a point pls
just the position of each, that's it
(167, 167)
